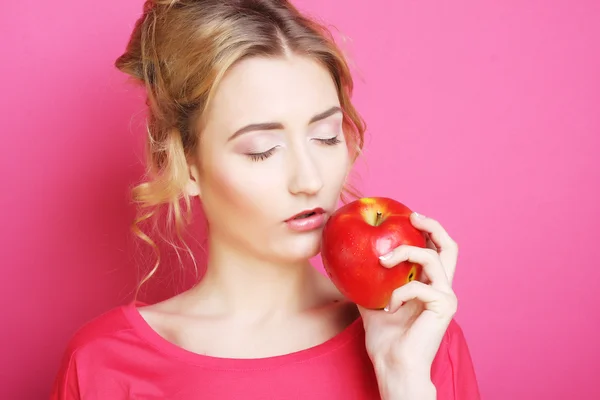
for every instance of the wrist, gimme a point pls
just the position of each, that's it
(408, 388)
(410, 392)
(405, 384)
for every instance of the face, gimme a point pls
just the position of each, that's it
(272, 146)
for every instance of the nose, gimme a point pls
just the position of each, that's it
(305, 176)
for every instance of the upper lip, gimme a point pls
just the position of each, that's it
(317, 210)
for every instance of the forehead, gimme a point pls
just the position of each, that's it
(290, 90)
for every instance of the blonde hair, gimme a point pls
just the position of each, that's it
(180, 50)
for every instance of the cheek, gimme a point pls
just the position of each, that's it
(240, 187)
(335, 168)
(225, 188)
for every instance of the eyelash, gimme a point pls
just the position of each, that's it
(262, 156)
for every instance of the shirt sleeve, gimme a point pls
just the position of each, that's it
(66, 386)
(453, 373)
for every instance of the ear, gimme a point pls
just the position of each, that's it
(192, 186)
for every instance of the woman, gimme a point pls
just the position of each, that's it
(250, 111)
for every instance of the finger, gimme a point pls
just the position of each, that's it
(433, 299)
(429, 243)
(446, 246)
(428, 258)
(439, 236)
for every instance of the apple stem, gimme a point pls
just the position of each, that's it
(378, 218)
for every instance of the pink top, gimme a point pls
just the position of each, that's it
(119, 356)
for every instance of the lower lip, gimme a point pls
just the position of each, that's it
(306, 224)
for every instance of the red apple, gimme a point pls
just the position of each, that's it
(353, 239)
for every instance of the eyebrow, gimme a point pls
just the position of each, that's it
(266, 126)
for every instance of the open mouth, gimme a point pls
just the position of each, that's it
(305, 215)
(307, 220)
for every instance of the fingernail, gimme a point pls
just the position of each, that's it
(385, 257)
(418, 216)
(387, 308)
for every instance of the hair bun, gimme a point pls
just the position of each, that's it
(133, 62)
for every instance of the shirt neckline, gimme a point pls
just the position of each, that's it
(148, 334)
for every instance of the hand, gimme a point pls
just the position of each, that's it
(403, 339)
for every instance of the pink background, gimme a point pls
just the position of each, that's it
(482, 114)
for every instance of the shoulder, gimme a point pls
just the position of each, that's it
(100, 337)
(453, 370)
(454, 344)
(103, 327)
(454, 333)
(92, 343)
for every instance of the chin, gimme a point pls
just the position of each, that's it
(304, 247)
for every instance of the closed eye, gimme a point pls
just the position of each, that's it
(331, 141)
(261, 156)
(266, 154)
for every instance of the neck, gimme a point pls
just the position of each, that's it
(237, 283)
